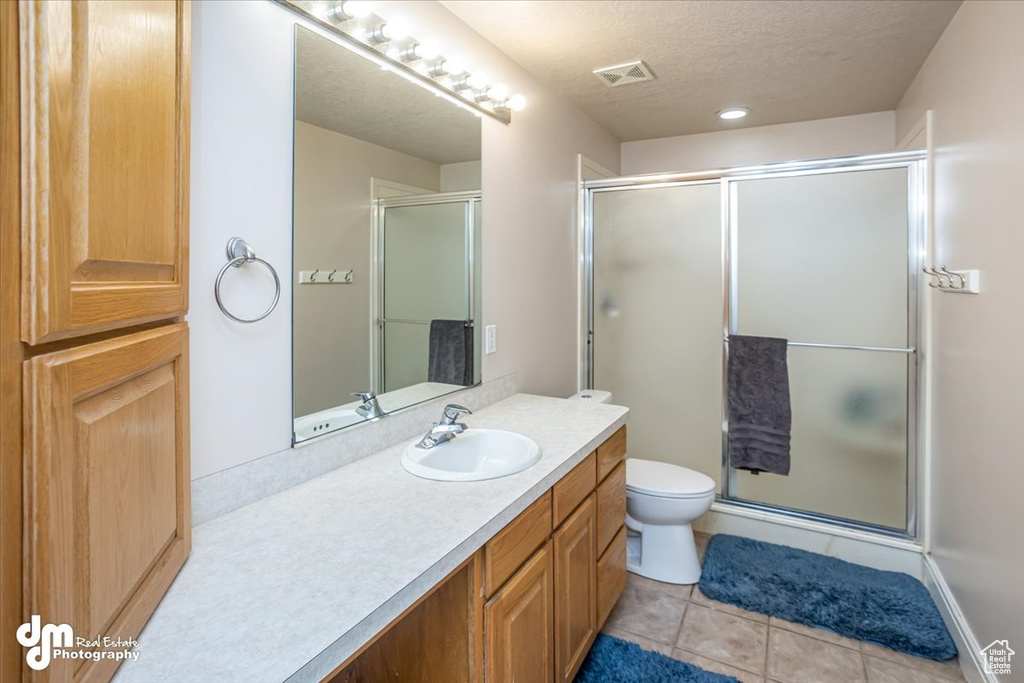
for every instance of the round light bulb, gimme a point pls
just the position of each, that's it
(733, 113)
(397, 29)
(394, 53)
(422, 69)
(454, 65)
(477, 81)
(428, 50)
(516, 103)
(498, 92)
(356, 9)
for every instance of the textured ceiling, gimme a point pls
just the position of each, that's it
(786, 60)
(341, 91)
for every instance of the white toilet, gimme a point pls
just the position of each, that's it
(661, 502)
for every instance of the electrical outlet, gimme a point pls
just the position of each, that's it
(490, 339)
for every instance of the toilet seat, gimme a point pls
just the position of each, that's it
(663, 480)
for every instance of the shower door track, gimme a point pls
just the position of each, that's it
(913, 161)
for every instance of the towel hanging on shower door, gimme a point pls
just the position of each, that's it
(760, 415)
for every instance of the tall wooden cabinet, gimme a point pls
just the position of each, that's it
(94, 457)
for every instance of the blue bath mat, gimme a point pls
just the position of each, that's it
(613, 660)
(886, 608)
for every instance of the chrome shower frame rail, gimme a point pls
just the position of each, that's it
(729, 178)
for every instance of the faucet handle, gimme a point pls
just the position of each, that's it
(364, 396)
(452, 411)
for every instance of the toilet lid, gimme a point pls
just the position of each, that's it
(663, 479)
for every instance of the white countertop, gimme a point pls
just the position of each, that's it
(287, 588)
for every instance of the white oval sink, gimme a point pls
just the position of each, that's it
(473, 455)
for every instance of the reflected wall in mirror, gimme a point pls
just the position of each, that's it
(387, 236)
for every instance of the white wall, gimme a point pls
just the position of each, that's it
(842, 136)
(460, 177)
(332, 230)
(973, 82)
(242, 61)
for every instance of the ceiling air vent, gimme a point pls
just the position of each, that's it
(624, 74)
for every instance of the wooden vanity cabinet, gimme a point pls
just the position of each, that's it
(550, 579)
(94, 207)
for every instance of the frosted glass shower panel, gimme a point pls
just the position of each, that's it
(657, 336)
(849, 440)
(823, 258)
(425, 262)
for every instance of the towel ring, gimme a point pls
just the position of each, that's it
(239, 252)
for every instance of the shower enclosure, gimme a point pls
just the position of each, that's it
(822, 253)
(426, 267)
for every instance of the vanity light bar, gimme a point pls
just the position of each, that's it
(389, 45)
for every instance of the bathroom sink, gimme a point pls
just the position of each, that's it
(473, 455)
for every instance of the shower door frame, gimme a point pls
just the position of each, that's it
(729, 178)
(471, 198)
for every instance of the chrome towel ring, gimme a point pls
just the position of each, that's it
(239, 252)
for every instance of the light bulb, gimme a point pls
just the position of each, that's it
(428, 49)
(356, 9)
(516, 103)
(422, 69)
(394, 53)
(733, 113)
(477, 81)
(498, 92)
(398, 29)
(454, 65)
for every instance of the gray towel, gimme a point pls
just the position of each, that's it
(760, 415)
(450, 358)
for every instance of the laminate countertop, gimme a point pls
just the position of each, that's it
(287, 588)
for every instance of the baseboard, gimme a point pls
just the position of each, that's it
(872, 550)
(966, 644)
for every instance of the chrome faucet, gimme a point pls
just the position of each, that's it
(447, 428)
(370, 408)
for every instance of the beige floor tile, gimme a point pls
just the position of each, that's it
(949, 669)
(698, 598)
(883, 671)
(819, 633)
(645, 643)
(648, 613)
(678, 591)
(716, 667)
(794, 658)
(725, 638)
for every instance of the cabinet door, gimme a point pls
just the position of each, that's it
(107, 486)
(517, 624)
(575, 590)
(105, 88)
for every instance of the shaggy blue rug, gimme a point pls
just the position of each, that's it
(612, 660)
(887, 608)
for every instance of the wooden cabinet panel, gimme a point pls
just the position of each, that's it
(611, 506)
(518, 625)
(107, 485)
(575, 590)
(437, 639)
(611, 453)
(105, 90)
(611, 576)
(573, 488)
(514, 544)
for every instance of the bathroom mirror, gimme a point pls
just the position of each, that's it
(387, 232)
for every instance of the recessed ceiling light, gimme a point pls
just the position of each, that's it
(733, 113)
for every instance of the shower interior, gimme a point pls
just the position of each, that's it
(824, 253)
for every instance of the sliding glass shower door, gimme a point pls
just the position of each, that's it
(823, 261)
(823, 254)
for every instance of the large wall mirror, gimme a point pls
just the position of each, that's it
(386, 240)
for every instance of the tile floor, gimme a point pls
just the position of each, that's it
(683, 623)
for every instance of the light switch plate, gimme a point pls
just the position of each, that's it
(490, 339)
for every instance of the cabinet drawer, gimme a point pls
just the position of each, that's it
(611, 506)
(573, 488)
(611, 576)
(514, 544)
(611, 453)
